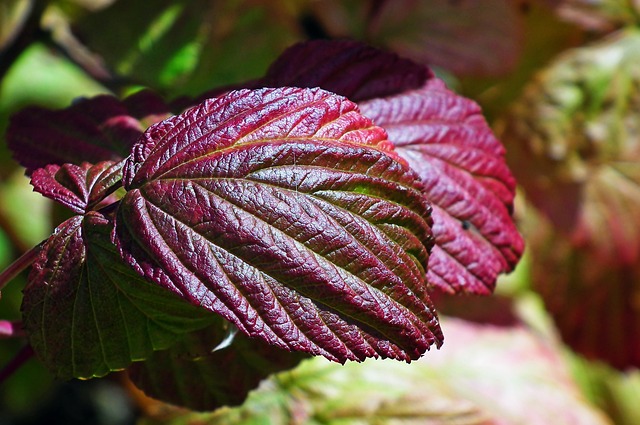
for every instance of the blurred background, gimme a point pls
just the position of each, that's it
(559, 82)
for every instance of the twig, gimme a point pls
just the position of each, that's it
(24, 261)
(18, 360)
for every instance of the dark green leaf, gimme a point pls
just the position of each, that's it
(195, 374)
(87, 313)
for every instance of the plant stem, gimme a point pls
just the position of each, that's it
(24, 261)
(18, 360)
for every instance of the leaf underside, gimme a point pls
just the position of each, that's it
(192, 375)
(87, 313)
(284, 211)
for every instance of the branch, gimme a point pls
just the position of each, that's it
(19, 265)
(18, 360)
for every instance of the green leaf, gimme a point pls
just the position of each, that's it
(200, 373)
(187, 45)
(87, 313)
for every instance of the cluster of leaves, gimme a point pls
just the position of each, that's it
(571, 138)
(301, 218)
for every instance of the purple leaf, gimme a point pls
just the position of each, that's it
(445, 138)
(102, 128)
(284, 211)
(79, 187)
(349, 68)
(87, 313)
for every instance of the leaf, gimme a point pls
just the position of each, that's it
(591, 301)
(78, 187)
(573, 140)
(233, 24)
(349, 68)
(187, 46)
(159, 45)
(483, 375)
(284, 211)
(87, 313)
(192, 375)
(102, 128)
(446, 140)
(465, 37)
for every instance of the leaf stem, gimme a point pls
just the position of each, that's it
(24, 261)
(18, 360)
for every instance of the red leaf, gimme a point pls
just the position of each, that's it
(281, 210)
(102, 128)
(79, 187)
(445, 138)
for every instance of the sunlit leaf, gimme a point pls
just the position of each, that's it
(285, 211)
(445, 138)
(87, 313)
